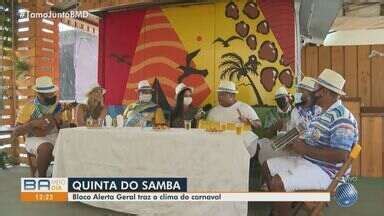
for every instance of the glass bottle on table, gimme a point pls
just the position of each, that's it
(114, 122)
(100, 122)
(142, 123)
(187, 124)
(89, 122)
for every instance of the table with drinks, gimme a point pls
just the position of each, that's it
(214, 159)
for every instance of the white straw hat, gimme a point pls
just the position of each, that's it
(307, 83)
(44, 84)
(93, 87)
(227, 86)
(331, 80)
(144, 85)
(180, 87)
(280, 92)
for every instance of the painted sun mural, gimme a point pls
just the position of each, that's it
(249, 43)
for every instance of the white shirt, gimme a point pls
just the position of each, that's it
(230, 114)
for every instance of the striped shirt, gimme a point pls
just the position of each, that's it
(337, 129)
(303, 115)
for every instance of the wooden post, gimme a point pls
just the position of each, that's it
(14, 146)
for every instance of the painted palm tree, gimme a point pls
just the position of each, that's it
(233, 66)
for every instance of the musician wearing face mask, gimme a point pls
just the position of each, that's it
(320, 155)
(142, 112)
(303, 112)
(39, 121)
(277, 119)
(305, 108)
(184, 110)
(94, 108)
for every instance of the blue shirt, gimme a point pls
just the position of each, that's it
(335, 128)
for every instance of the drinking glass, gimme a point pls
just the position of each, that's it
(239, 128)
(187, 124)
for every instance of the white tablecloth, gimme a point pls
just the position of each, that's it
(212, 162)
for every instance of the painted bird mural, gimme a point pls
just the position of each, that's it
(225, 43)
(188, 69)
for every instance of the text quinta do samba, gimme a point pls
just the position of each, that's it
(163, 185)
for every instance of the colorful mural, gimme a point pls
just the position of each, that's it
(243, 41)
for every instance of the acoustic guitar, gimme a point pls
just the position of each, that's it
(53, 121)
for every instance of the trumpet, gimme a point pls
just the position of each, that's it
(282, 141)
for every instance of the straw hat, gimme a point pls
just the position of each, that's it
(331, 80)
(281, 92)
(44, 84)
(180, 87)
(144, 85)
(95, 87)
(307, 83)
(227, 86)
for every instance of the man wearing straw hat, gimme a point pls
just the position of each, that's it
(231, 110)
(38, 121)
(277, 119)
(323, 151)
(305, 108)
(303, 112)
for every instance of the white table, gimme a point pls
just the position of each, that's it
(212, 162)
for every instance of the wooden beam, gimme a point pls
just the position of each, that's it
(99, 5)
(356, 23)
(362, 9)
(113, 5)
(91, 28)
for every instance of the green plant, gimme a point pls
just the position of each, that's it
(5, 42)
(3, 160)
(21, 68)
(234, 66)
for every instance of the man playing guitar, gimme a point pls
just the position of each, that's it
(39, 120)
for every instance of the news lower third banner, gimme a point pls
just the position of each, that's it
(142, 190)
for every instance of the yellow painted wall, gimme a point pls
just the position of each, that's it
(199, 25)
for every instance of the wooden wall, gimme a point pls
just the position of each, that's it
(372, 137)
(354, 104)
(364, 76)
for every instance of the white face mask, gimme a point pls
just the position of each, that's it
(298, 97)
(187, 101)
(145, 98)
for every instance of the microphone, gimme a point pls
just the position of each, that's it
(207, 107)
(204, 111)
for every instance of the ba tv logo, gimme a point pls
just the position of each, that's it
(44, 184)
